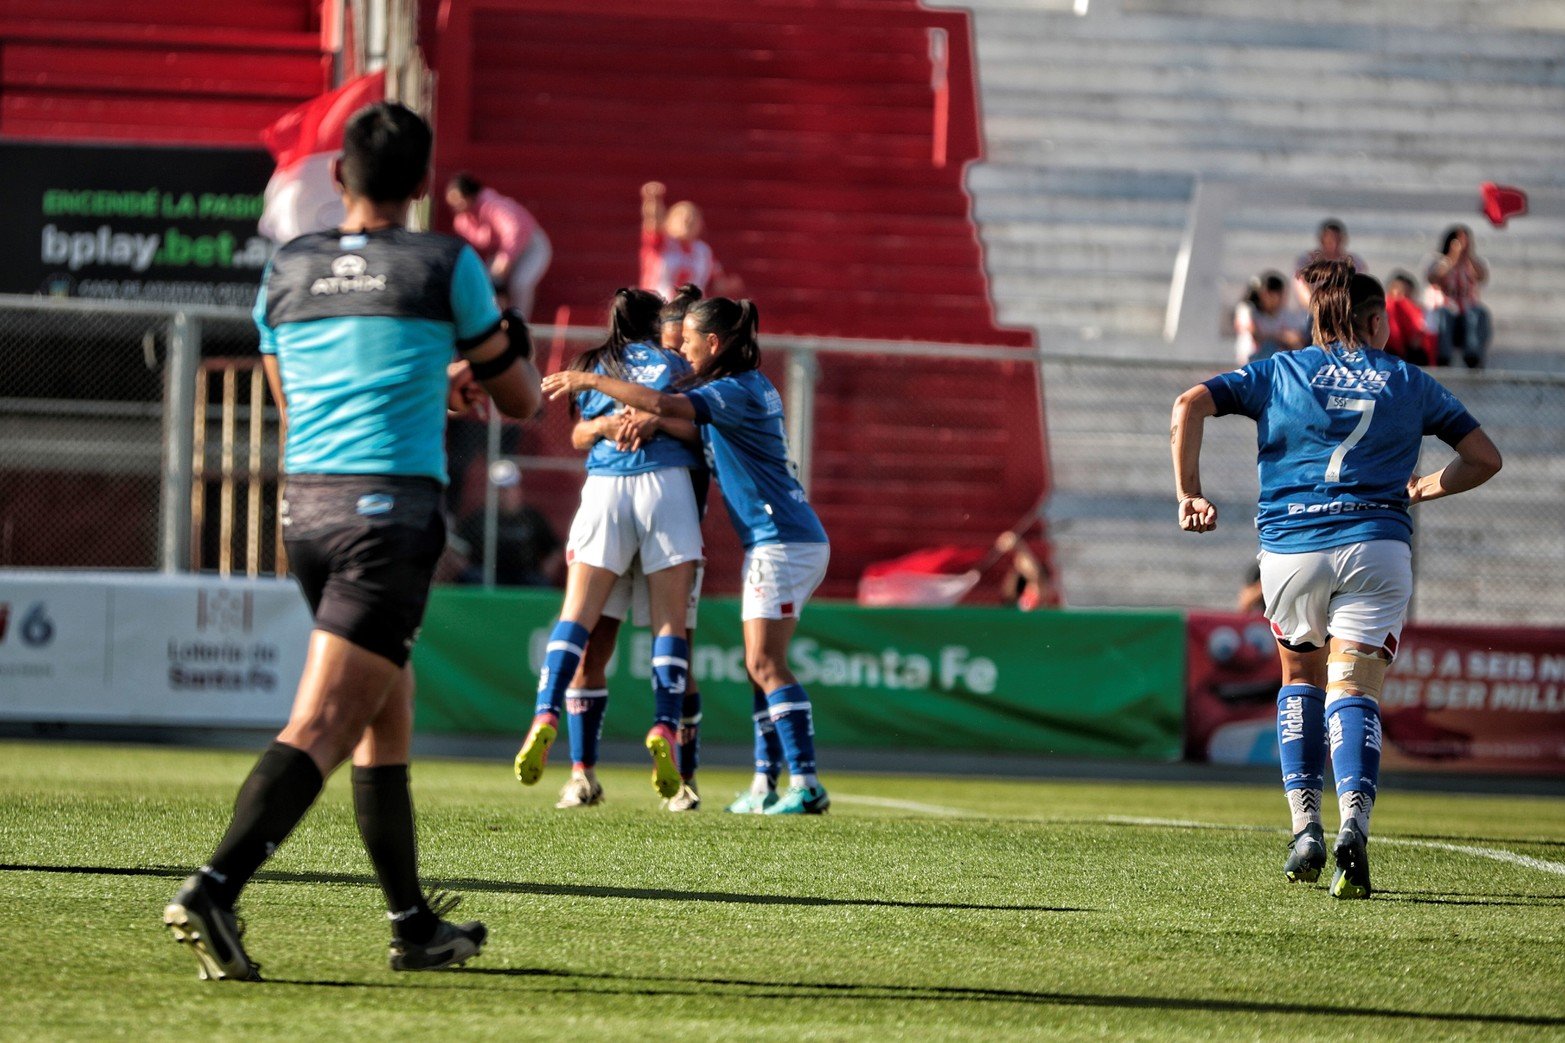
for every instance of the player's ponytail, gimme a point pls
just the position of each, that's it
(679, 304)
(737, 325)
(1331, 304)
(633, 318)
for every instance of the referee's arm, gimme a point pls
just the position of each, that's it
(514, 388)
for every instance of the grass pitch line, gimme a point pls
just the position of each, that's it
(1543, 865)
(904, 805)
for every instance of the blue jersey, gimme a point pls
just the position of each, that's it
(1339, 434)
(650, 365)
(363, 326)
(742, 425)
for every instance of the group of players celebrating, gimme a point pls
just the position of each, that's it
(358, 328)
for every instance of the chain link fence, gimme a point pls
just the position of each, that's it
(1493, 555)
(136, 437)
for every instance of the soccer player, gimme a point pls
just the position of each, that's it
(1339, 427)
(786, 549)
(358, 326)
(636, 505)
(586, 700)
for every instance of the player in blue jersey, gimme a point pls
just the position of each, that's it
(637, 507)
(786, 549)
(1339, 426)
(358, 328)
(586, 700)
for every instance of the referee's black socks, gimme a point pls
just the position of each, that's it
(383, 805)
(279, 790)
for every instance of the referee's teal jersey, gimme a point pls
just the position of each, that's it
(363, 326)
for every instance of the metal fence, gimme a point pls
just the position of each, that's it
(134, 436)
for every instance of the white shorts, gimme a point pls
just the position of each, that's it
(1356, 592)
(630, 596)
(621, 517)
(780, 577)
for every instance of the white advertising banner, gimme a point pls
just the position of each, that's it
(136, 648)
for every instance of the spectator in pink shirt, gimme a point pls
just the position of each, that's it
(505, 235)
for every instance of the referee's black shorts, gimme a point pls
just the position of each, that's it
(364, 549)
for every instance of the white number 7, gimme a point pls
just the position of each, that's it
(1365, 406)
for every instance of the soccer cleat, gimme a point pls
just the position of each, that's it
(213, 933)
(580, 792)
(450, 946)
(534, 753)
(1306, 855)
(801, 800)
(1351, 880)
(687, 799)
(752, 802)
(665, 768)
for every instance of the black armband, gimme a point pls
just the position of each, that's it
(495, 366)
(516, 332)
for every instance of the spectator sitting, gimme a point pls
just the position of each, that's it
(1029, 584)
(1461, 321)
(1265, 323)
(505, 235)
(1409, 337)
(1332, 245)
(673, 252)
(528, 553)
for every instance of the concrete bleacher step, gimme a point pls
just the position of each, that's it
(1450, 14)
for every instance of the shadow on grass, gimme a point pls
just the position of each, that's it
(567, 890)
(1471, 898)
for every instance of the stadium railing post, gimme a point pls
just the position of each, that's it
(803, 370)
(179, 408)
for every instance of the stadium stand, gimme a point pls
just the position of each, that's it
(807, 133)
(173, 72)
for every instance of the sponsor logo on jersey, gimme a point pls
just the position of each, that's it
(773, 401)
(1340, 378)
(1337, 507)
(646, 374)
(349, 274)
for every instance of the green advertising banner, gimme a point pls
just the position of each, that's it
(1067, 683)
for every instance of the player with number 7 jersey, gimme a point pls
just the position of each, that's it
(1339, 427)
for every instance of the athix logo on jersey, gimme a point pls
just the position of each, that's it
(1340, 378)
(348, 275)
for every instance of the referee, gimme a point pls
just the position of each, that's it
(359, 326)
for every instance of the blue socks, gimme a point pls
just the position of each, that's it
(789, 707)
(690, 735)
(670, 675)
(1355, 756)
(586, 707)
(566, 642)
(1301, 736)
(768, 747)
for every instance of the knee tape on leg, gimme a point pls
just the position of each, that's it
(1352, 672)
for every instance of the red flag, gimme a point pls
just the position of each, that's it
(301, 197)
(930, 577)
(1501, 202)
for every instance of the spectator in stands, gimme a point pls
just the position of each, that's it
(1265, 322)
(528, 552)
(506, 236)
(673, 252)
(1029, 585)
(1251, 600)
(1461, 322)
(1331, 245)
(1410, 338)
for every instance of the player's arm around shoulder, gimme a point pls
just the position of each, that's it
(1191, 408)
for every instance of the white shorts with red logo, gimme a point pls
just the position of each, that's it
(780, 577)
(1356, 592)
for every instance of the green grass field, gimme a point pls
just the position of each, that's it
(920, 908)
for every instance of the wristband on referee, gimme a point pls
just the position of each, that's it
(516, 331)
(494, 367)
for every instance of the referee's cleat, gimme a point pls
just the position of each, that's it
(451, 945)
(752, 802)
(1306, 855)
(534, 753)
(687, 799)
(663, 746)
(801, 800)
(582, 791)
(212, 931)
(1351, 879)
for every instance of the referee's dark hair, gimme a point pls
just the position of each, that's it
(385, 152)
